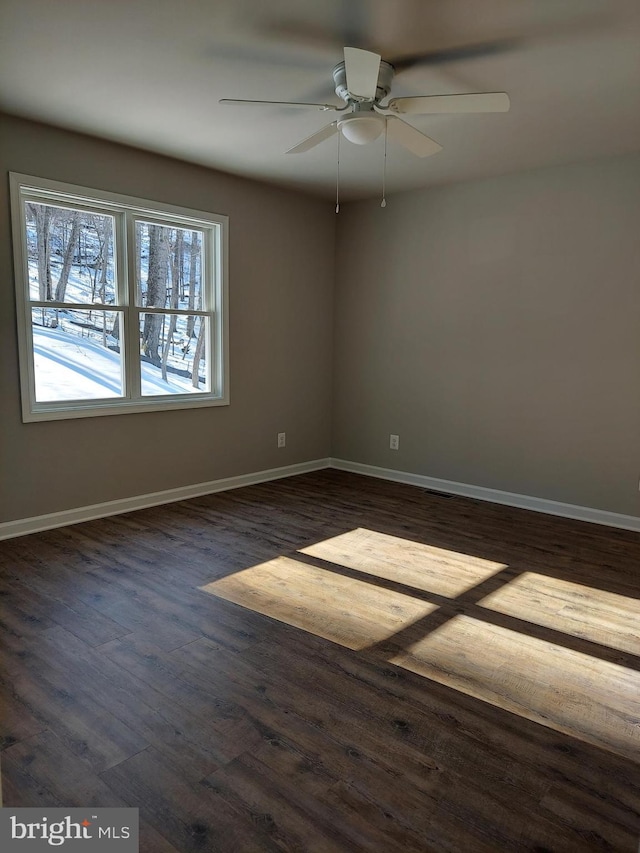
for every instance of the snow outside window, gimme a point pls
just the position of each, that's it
(122, 303)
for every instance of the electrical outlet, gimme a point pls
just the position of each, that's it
(282, 439)
(394, 442)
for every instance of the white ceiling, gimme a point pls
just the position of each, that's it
(150, 72)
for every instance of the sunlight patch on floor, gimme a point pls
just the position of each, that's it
(350, 612)
(603, 617)
(423, 567)
(572, 692)
(588, 698)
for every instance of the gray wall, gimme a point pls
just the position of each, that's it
(281, 290)
(495, 326)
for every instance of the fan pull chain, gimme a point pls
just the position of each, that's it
(338, 177)
(383, 203)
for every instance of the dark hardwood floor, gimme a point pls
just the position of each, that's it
(329, 663)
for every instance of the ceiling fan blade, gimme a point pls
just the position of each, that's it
(486, 102)
(314, 139)
(350, 25)
(567, 21)
(455, 54)
(361, 69)
(354, 18)
(414, 140)
(300, 104)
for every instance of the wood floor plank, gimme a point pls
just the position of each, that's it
(16, 721)
(326, 663)
(577, 609)
(523, 748)
(183, 738)
(402, 741)
(21, 790)
(367, 737)
(290, 815)
(43, 764)
(413, 564)
(345, 610)
(78, 618)
(68, 776)
(230, 730)
(192, 818)
(586, 698)
(53, 694)
(600, 822)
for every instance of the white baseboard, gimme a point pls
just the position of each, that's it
(24, 526)
(580, 513)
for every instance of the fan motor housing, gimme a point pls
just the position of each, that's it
(385, 76)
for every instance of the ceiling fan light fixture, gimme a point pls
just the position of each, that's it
(361, 129)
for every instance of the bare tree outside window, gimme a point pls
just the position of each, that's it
(94, 277)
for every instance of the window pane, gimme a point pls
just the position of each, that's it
(76, 354)
(168, 267)
(70, 254)
(173, 347)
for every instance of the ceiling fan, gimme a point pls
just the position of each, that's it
(363, 80)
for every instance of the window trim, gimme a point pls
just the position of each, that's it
(126, 209)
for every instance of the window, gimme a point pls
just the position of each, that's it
(122, 303)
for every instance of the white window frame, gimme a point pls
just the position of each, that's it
(125, 210)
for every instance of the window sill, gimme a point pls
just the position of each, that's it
(51, 412)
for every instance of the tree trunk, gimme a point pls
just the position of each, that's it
(199, 354)
(156, 290)
(167, 345)
(176, 268)
(194, 254)
(42, 216)
(61, 287)
(104, 257)
(139, 242)
(174, 297)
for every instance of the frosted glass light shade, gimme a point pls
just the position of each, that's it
(361, 129)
